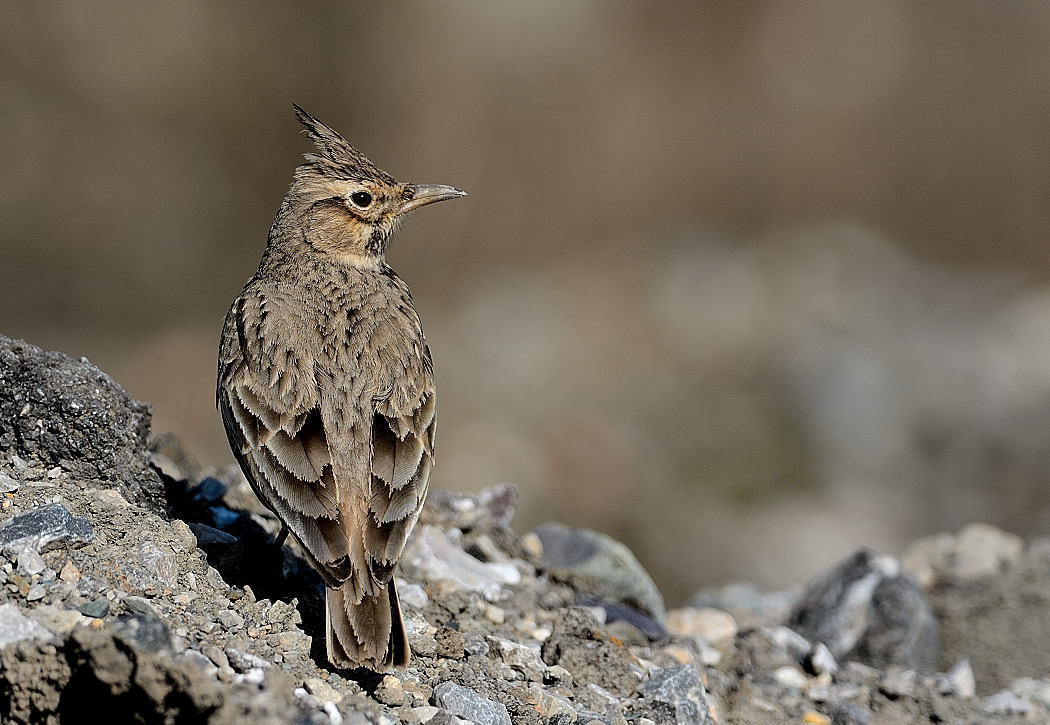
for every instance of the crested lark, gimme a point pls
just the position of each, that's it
(327, 390)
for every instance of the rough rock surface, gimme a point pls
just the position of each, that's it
(133, 584)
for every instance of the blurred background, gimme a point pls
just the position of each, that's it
(744, 285)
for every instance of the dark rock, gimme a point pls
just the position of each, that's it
(16, 627)
(465, 703)
(674, 696)
(43, 529)
(650, 628)
(65, 412)
(600, 562)
(98, 608)
(866, 609)
(209, 490)
(146, 633)
(139, 605)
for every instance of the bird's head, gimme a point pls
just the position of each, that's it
(347, 205)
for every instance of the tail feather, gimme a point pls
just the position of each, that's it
(370, 633)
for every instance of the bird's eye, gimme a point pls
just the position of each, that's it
(361, 199)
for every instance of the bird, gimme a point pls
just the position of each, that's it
(326, 389)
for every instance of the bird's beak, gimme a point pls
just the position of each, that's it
(423, 194)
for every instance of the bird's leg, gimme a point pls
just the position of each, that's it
(279, 541)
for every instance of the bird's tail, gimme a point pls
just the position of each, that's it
(369, 633)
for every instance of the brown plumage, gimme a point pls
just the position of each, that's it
(327, 391)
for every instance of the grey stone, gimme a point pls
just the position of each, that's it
(146, 633)
(8, 484)
(58, 621)
(43, 529)
(158, 564)
(230, 619)
(465, 703)
(97, 608)
(16, 627)
(819, 660)
(209, 535)
(580, 645)
(493, 508)
(748, 605)
(139, 605)
(959, 680)
(30, 562)
(1005, 704)
(444, 717)
(866, 609)
(243, 661)
(674, 696)
(58, 411)
(520, 657)
(216, 655)
(581, 553)
(209, 490)
(977, 551)
(900, 683)
(550, 704)
(432, 555)
(474, 644)
(1032, 689)
(845, 713)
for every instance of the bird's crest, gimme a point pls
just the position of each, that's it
(336, 155)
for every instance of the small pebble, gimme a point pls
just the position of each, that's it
(323, 691)
(8, 484)
(424, 713)
(216, 655)
(532, 544)
(495, 614)
(139, 605)
(412, 594)
(899, 683)
(790, 677)
(390, 691)
(230, 620)
(819, 660)
(30, 562)
(69, 572)
(959, 680)
(244, 661)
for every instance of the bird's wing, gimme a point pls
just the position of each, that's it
(402, 454)
(270, 408)
(386, 469)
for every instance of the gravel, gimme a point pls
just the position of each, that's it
(135, 585)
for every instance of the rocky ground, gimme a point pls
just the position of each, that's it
(137, 587)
